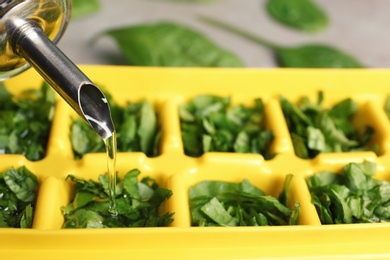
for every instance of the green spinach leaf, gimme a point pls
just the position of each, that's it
(317, 130)
(170, 44)
(387, 106)
(81, 8)
(315, 56)
(191, 1)
(25, 121)
(209, 123)
(138, 203)
(27, 216)
(137, 128)
(304, 56)
(350, 196)
(302, 15)
(219, 203)
(18, 189)
(22, 183)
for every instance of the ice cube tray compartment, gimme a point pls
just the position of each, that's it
(166, 89)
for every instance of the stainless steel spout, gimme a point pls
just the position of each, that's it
(29, 41)
(26, 41)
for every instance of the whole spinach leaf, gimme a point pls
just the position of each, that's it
(137, 128)
(304, 56)
(18, 189)
(350, 196)
(138, 203)
(317, 130)
(303, 15)
(191, 1)
(219, 203)
(170, 44)
(25, 121)
(209, 123)
(315, 56)
(82, 8)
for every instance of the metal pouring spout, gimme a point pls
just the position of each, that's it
(27, 42)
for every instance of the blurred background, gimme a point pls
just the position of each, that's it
(357, 27)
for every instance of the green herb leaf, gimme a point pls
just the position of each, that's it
(191, 1)
(81, 8)
(136, 127)
(26, 219)
(147, 128)
(317, 130)
(18, 188)
(315, 56)
(305, 56)
(170, 44)
(303, 15)
(89, 186)
(84, 139)
(387, 106)
(209, 123)
(283, 196)
(25, 121)
(239, 204)
(130, 184)
(138, 203)
(83, 218)
(22, 183)
(351, 196)
(215, 211)
(82, 198)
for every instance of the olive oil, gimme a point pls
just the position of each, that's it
(111, 150)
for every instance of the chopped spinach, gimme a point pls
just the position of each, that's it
(387, 106)
(18, 189)
(138, 203)
(209, 123)
(303, 15)
(170, 44)
(317, 130)
(220, 203)
(351, 196)
(136, 127)
(25, 121)
(304, 56)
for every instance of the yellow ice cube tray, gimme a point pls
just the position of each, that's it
(166, 89)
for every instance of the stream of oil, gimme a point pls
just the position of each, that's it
(110, 144)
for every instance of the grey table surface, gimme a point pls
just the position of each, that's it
(358, 27)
